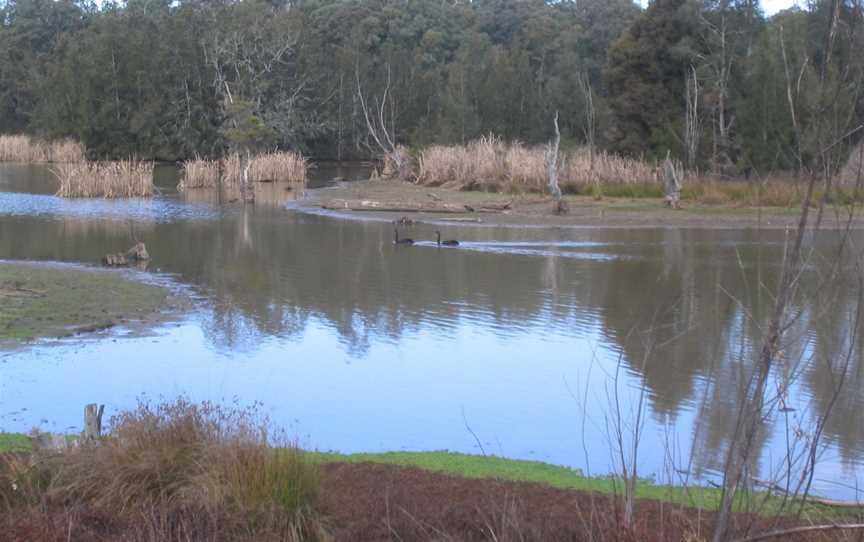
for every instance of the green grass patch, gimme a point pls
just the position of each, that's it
(14, 443)
(52, 301)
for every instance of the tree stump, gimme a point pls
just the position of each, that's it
(93, 421)
(672, 176)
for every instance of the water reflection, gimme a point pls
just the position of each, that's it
(371, 346)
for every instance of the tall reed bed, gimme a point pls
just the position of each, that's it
(490, 164)
(279, 166)
(23, 148)
(123, 179)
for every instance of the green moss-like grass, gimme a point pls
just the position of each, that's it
(14, 443)
(54, 301)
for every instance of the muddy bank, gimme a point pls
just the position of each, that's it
(449, 206)
(57, 300)
(369, 502)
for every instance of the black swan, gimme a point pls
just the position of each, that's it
(397, 241)
(448, 242)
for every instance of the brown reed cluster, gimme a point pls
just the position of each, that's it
(277, 166)
(23, 148)
(121, 179)
(490, 164)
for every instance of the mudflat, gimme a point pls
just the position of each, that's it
(386, 199)
(45, 300)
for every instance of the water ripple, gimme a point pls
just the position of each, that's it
(160, 210)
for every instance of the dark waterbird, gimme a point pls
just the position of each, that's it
(448, 242)
(397, 241)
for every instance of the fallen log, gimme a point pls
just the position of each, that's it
(496, 206)
(375, 206)
(461, 219)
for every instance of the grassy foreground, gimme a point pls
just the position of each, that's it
(181, 471)
(491, 467)
(54, 301)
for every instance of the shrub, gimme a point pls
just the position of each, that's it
(198, 466)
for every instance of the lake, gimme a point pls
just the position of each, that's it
(521, 342)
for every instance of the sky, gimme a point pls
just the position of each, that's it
(770, 6)
(773, 6)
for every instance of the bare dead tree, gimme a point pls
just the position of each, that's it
(692, 128)
(720, 41)
(559, 206)
(396, 159)
(590, 126)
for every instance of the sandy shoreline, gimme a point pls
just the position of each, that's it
(533, 210)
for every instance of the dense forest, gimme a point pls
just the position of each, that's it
(712, 81)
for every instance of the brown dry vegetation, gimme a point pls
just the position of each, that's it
(491, 164)
(182, 472)
(273, 166)
(172, 472)
(123, 179)
(22, 148)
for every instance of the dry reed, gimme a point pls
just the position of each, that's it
(23, 148)
(490, 164)
(123, 179)
(268, 167)
(205, 467)
(199, 173)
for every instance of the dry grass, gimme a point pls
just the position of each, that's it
(22, 148)
(491, 164)
(267, 167)
(279, 167)
(123, 179)
(199, 173)
(175, 468)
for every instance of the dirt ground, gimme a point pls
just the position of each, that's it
(535, 210)
(371, 502)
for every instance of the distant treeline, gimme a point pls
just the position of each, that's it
(158, 78)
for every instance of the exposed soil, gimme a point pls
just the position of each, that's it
(536, 210)
(373, 502)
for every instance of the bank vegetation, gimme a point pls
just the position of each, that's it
(276, 166)
(26, 149)
(121, 179)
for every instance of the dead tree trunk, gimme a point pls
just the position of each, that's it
(691, 127)
(396, 159)
(559, 206)
(672, 175)
(93, 422)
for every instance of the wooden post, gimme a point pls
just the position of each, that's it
(93, 421)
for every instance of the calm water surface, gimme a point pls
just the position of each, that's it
(521, 336)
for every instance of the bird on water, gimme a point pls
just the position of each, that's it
(397, 241)
(446, 243)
